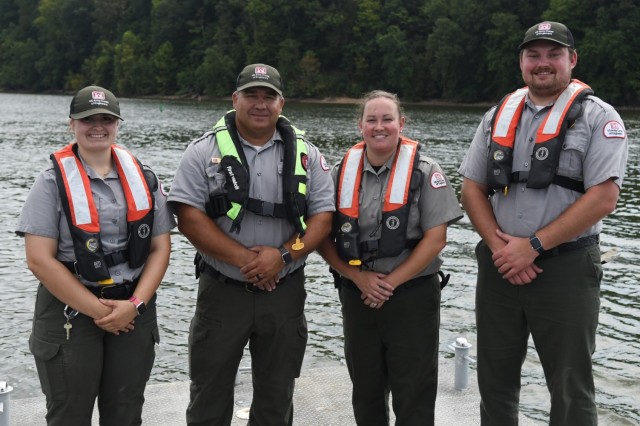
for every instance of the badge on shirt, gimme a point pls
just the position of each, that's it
(393, 222)
(323, 163)
(438, 180)
(613, 129)
(304, 159)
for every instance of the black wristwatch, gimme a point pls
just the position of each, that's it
(141, 308)
(536, 244)
(286, 256)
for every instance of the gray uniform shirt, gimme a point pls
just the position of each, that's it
(198, 176)
(595, 149)
(43, 215)
(434, 204)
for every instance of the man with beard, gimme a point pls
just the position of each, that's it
(544, 168)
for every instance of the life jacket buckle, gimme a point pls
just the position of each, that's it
(268, 208)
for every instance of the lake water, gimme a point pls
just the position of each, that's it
(33, 126)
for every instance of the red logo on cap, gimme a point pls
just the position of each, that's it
(98, 95)
(261, 70)
(545, 26)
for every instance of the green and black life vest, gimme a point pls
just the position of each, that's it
(233, 163)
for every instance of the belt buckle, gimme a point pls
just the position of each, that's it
(268, 209)
(250, 287)
(103, 288)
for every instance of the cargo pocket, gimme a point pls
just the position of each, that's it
(299, 343)
(50, 366)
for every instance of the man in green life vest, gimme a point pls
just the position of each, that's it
(254, 198)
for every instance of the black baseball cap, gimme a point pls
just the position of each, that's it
(94, 100)
(548, 30)
(260, 75)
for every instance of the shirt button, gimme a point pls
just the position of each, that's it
(113, 200)
(260, 222)
(530, 139)
(526, 164)
(536, 117)
(118, 273)
(519, 215)
(259, 173)
(375, 198)
(114, 220)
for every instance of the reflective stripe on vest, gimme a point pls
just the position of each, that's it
(397, 193)
(227, 147)
(84, 214)
(508, 116)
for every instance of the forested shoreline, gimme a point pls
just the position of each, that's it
(425, 50)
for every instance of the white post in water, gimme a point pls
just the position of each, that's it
(462, 359)
(5, 413)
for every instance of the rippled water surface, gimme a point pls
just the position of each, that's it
(33, 126)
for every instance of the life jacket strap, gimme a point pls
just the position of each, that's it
(219, 205)
(563, 181)
(369, 249)
(265, 208)
(112, 259)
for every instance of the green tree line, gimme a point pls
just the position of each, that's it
(456, 50)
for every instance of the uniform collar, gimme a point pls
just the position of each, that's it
(386, 166)
(529, 103)
(275, 138)
(92, 174)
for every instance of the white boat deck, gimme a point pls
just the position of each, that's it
(322, 398)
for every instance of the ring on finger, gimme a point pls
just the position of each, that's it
(373, 305)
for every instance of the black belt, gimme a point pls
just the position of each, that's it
(573, 245)
(214, 273)
(122, 291)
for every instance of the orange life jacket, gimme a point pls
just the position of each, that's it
(82, 215)
(405, 178)
(549, 139)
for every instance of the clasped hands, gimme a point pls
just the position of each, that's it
(515, 259)
(120, 319)
(375, 290)
(263, 265)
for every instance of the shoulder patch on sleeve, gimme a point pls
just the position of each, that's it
(323, 163)
(437, 180)
(614, 129)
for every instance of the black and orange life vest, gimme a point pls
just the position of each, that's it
(82, 215)
(548, 144)
(404, 180)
